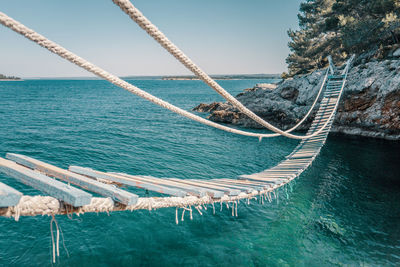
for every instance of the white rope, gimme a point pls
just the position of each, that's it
(312, 106)
(55, 243)
(64, 53)
(198, 209)
(46, 205)
(135, 14)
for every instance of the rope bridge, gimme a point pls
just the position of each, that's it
(183, 193)
(71, 191)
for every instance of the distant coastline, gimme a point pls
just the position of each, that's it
(160, 77)
(9, 78)
(225, 77)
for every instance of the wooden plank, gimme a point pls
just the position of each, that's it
(204, 184)
(258, 177)
(193, 190)
(271, 177)
(255, 184)
(316, 144)
(307, 151)
(211, 192)
(47, 185)
(244, 188)
(294, 161)
(128, 181)
(291, 162)
(282, 168)
(278, 171)
(9, 197)
(309, 148)
(298, 165)
(287, 167)
(303, 155)
(106, 190)
(311, 157)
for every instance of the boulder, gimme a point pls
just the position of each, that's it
(265, 86)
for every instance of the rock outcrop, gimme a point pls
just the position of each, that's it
(370, 105)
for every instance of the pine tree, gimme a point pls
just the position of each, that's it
(339, 28)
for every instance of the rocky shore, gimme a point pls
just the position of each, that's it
(370, 105)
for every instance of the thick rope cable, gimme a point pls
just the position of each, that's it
(135, 14)
(46, 205)
(64, 53)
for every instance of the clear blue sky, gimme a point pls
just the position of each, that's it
(221, 36)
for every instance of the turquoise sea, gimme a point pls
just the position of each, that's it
(343, 211)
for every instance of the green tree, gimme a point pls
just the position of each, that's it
(339, 28)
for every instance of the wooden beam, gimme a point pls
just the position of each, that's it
(106, 190)
(259, 186)
(9, 197)
(193, 190)
(234, 186)
(130, 181)
(242, 183)
(258, 177)
(47, 185)
(204, 184)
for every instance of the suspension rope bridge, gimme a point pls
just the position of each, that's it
(70, 191)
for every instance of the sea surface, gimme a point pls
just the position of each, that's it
(343, 211)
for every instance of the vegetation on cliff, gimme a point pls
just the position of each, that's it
(370, 28)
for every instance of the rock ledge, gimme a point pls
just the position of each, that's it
(370, 105)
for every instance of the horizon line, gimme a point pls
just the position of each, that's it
(146, 75)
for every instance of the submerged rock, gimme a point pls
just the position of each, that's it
(370, 105)
(330, 227)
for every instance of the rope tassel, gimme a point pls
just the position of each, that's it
(56, 244)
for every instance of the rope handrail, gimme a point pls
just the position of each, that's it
(310, 109)
(137, 16)
(64, 53)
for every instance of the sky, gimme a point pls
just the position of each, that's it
(220, 36)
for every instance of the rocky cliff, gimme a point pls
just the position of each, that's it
(370, 105)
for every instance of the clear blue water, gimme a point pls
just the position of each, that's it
(343, 211)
